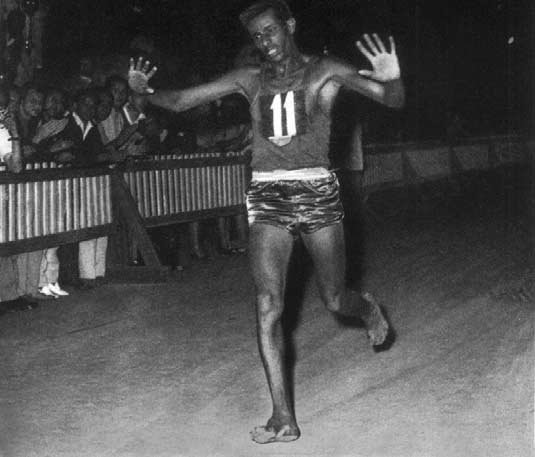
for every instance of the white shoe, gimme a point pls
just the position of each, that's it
(57, 290)
(45, 290)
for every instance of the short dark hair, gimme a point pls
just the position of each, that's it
(280, 7)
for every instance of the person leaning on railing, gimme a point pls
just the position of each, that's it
(49, 146)
(88, 150)
(11, 298)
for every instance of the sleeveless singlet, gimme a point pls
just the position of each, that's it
(285, 135)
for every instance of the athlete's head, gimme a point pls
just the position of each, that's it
(271, 26)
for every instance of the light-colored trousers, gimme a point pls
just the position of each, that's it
(49, 267)
(92, 258)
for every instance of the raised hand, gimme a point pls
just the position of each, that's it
(385, 64)
(139, 75)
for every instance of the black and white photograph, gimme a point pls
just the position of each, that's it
(280, 228)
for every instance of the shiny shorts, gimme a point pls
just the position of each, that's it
(297, 205)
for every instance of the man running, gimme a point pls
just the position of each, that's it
(292, 193)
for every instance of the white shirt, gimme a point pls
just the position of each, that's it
(112, 126)
(5, 143)
(131, 120)
(85, 128)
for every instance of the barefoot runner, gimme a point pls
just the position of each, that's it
(292, 193)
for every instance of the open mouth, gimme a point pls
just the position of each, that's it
(272, 52)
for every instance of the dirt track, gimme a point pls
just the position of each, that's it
(172, 369)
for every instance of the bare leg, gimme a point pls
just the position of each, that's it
(327, 249)
(270, 249)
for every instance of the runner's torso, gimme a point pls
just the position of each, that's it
(290, 126)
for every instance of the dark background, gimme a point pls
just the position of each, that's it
(472, 58)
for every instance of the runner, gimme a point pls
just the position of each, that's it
(292, 193)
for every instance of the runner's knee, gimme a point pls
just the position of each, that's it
(269, 307)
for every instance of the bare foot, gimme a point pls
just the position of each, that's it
(275, 431)
(376, 324)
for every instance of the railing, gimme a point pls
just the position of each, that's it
(46, 205)
(174, 188)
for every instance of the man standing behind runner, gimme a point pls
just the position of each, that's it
(292, 193)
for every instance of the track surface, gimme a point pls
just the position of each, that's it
(172, 369)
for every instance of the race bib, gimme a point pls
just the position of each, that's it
(283, 116)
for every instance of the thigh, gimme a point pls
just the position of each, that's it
(326, 247)
(269, 253)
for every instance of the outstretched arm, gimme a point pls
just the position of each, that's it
(383, 83)
(139, 75)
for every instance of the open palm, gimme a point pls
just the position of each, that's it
(139, 75)
(385, 65)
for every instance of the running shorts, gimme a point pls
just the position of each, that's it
(299, 201)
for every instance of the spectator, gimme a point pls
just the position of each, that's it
(28, 111)
(87, 146)
(133, 111)
(115, 122)
(11, 298)
(48, 140)
(114, 129)
(88, 150)
(49, 143)
(102, 112)
(27, 115)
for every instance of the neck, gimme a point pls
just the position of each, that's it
(290, 64)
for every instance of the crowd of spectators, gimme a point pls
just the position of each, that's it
(92, 122)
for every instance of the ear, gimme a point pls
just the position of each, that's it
(290, 23)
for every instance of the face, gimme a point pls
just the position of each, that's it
(104, 106)
(86, 108)
(32, 104)
(272, 37)
(54, 105)
(119, 92)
